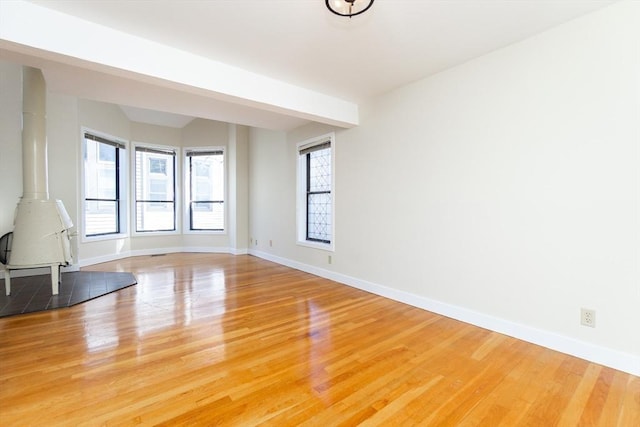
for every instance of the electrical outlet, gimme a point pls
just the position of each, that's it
(329, 260)
(270, 242)
(588, 317)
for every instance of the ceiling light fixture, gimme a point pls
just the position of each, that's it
(348, 7)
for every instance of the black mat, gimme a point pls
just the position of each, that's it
(33, 293)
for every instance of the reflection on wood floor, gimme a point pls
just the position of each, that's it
(209, 339)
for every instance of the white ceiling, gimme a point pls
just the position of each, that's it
(298, 42)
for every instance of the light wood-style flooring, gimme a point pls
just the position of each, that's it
(209, 339)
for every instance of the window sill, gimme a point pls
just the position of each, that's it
(103, 237)
(155, 233)
(208, 232)
(329, 247)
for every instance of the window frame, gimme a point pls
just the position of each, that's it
(302, 182)
(160, 149)
(187, 211)
(121, 199)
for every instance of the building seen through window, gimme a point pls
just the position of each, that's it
(155, 179)
(102, 186)
(205, 196)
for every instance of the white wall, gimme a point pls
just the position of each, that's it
(63, 154)
(503, 192)
(10, 143)
(271, 192)
(238, 188)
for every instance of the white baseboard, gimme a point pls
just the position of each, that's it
(605, 356)
(159, 251)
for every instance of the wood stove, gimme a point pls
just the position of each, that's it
(41, 227)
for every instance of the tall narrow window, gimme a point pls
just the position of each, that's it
(205, 194)
(315, 192)
(155, 189)
(102, 195)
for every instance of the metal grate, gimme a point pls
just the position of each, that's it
(319, 195)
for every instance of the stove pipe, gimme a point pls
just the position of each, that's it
(40, 235)
(35, 173)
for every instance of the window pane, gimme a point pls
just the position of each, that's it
(158, 189)
(154, 175)
(154, 216)
(207, 178)
(99, 174)
(207, 216)
(202, 166)
(157, 165)
(100, 217)
(314, 192)
(206, 195)
(107, 153)
(320, 170)
(155, 198)
(319, 195)
(319, 217)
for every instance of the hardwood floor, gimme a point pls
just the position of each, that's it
(208, 339)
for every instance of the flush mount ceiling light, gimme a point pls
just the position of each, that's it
(348, 7)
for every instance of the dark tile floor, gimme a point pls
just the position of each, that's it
(33, 293)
